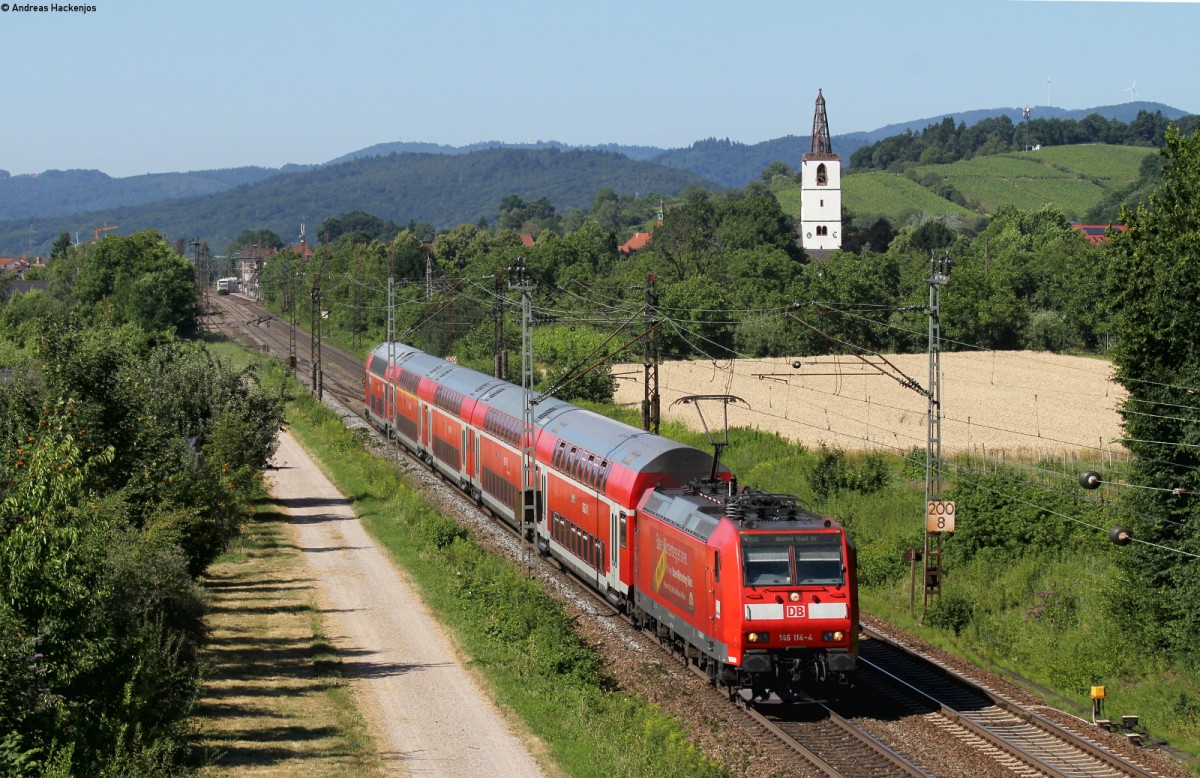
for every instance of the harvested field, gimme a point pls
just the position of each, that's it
(1021, 404)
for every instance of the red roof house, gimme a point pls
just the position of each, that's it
(636, 243)
(1098, 233)
(13, 265)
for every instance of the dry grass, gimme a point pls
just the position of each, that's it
(274, 702)
(1022, 404)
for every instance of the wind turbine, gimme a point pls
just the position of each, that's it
(1048, 82)
(1133, 90)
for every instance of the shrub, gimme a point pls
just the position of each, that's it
(951, 611)
(829, 473)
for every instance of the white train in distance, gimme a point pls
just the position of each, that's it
(227, 285)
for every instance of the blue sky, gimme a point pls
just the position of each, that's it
(145, 87)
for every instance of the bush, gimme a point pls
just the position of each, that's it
(914, 464)
(829, 474)
(951, 611)
(832, 474)
(871, 475)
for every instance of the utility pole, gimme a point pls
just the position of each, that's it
(201, 272)
(392, 374)
(650, 400)
(499, 351)
(317, 383)
(937, 513)
(289, 293)
(519, 282)
(356, 313)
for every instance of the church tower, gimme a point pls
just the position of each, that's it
(820, 189)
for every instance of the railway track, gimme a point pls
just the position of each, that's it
(1022, 739)
(817, 737)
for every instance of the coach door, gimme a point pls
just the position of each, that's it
(614, 558)
(712, 574)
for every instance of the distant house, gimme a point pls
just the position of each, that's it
(526, 239)
(302, 250)
(636, 243)
(1098, 233)
(13, 266)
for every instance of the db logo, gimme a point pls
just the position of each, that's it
(793, 611)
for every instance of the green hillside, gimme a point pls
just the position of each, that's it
(1073, 178)
(902, 195)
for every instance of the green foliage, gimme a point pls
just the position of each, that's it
(951, 611)
(1011, 516)
(1154, 288)
(831, 473)
(565, 352)
(358, 227)
(262, 239)
(127, 459)
(137, 279)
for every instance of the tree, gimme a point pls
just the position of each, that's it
(1154, 291)
(931, 236)
(566, 352)
(62, 244)
(138, 279)
(358, 227)
(263, 238)
(777, 168)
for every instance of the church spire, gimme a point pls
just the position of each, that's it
(820, 132)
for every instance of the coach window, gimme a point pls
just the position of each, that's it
(716, 567)
(621, 532)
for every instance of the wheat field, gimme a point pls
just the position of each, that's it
(1023, 405)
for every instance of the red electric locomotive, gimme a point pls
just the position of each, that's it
(749, 585)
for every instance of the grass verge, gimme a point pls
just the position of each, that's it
(274, 701)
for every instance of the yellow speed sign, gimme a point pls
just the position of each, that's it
(939, 516)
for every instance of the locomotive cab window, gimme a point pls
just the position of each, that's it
(820, 565)
(797, 559)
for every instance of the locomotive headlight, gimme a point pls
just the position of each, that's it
(757, 637)
(837, 636)
(794, 596)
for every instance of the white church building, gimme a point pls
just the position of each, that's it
(820, 189)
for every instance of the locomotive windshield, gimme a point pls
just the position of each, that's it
(793, 559)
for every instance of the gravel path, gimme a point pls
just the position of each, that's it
(426, 712)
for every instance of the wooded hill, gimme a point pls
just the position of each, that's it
(64, 192)
(442, 190)
(729, 163)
